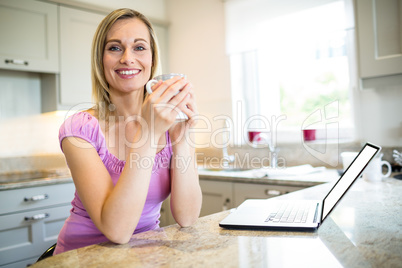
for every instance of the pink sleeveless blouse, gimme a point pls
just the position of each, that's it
(79, 230)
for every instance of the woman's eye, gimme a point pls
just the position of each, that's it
(114, 48)
(139, 48)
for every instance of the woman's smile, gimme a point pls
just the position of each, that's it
(126, 73)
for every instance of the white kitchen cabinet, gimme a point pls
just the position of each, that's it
(166, 214)
(77, 28)
(31, 221)
(29, 40)
(379, 34)
(216, 196)
(243, 191)
(222, 195)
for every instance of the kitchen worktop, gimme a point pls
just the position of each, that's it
(19, 180)
(354, 235)
(36, 178)
(303, 176)
(33, 171)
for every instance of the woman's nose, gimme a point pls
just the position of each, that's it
(127, 57)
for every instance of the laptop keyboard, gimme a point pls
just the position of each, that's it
(290, 213)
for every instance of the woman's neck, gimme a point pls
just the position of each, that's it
(126, 105)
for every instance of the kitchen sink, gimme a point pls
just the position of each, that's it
(221, 168)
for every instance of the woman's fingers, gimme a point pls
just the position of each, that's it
(172, 96)
(171, 92)
(165, 90)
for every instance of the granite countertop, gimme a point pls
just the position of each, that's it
(354, 235)
(17, 180)
(43, 177)
(33, 171)
(302, 176)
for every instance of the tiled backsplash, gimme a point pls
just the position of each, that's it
(33, 163)
(327, 155)
(31, 135)
(33, 140)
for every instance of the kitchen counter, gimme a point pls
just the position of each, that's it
(33, 171)
(301, 176)
(19, 180)
(363, 231)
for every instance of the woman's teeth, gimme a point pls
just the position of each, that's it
(128, 72)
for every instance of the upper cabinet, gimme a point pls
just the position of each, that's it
(379, 33)
(29, 36)
(77, 29)
(54, 41)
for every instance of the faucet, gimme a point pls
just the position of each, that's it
(227, 159)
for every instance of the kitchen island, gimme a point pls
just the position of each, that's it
(365, 230)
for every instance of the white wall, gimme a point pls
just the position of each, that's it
(197, 48)
(379, 115)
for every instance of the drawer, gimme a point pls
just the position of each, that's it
(28, 234)
(36, 197)
(20, 264)
(243, 191)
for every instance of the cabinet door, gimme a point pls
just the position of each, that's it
(379, 32)
(28, 234)
(36, 197)
(166, 214)
(28, 31)
(243, 191)
(216, 196)
(77, 29)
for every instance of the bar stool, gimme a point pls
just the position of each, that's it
(47, 253)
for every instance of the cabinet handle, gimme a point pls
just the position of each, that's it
(273, 192)
(225, 205)
(37, 217)
(16, 62)
(36, 197)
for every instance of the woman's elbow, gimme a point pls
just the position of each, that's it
(187, 221)
(119, 238)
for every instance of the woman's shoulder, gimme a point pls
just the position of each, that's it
(78, 120)
(82, 125)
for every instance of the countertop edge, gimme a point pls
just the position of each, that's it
(35, 183)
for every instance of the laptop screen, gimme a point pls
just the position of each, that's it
(346, 180)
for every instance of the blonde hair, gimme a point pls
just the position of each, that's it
(100, 87)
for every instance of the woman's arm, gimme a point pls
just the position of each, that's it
(115, 210)
(186, 196)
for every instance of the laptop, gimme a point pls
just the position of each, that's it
(298, 215)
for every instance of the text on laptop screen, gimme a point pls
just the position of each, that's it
(348, 177)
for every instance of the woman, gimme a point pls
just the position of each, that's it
(109, 148)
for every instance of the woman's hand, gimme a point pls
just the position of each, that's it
(179, 130)
(162, 106)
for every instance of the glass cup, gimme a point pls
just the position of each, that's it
(181, 116)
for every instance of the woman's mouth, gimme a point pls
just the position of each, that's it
(127, 73)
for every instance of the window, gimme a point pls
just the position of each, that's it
(290, 61)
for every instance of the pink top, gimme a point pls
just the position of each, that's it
(79, 230)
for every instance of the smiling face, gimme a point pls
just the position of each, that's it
(127, 57)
